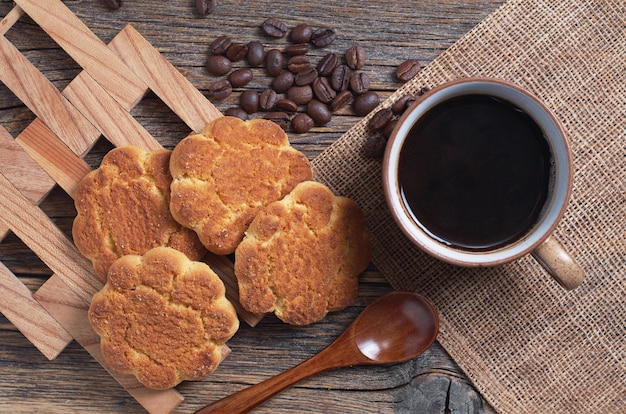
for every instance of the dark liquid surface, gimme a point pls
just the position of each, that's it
(475, 172)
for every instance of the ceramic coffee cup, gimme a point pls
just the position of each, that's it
(478, 172)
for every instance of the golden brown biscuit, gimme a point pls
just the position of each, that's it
(123, 208)
(162, 318)
(223, 176)
(302, 255)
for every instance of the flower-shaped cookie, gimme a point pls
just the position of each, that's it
(163, 318)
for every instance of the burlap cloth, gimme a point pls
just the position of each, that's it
(528, 345)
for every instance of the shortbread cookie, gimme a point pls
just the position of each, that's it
(123, 208)
(223, 176)
(162, 318)
(302, 255)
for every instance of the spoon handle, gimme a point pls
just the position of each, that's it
(248, 398)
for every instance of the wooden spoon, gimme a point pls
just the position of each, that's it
(394, 328)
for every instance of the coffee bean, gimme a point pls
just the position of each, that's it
(113, 4)
(301, 95)
(240, 77)
(281, 118)
(408, 69)
(205, 7)
(340, 78)
(286, 105)
(380, 119)
(237, 51)
(342, 99)
(297, 49)
(359, 83)
(220, 89)
(256, 54)
(355, 57)
(323, 91)
(302, 123)
(323, 37)
(365, 103)
(402, 104)
(301, 33)
(306, 76)
(237, 112)
(249, 101)
(283, 81)
(218, 65)
(274, 61)
(267, 99)
(328, 63)
(391, 125)
(274, 28)
(319, 112)
(220, 45)
(298, 63)
(374, 147)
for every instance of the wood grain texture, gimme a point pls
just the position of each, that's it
(391, 32)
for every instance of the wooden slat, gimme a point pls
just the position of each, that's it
(86, 49)
(32, 181)
(9, 20)
(71, 312)
(163, 79)
(35, 323)
(38, 232)
(41, 97)
(65, 167)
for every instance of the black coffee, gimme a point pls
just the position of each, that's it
(475, 172)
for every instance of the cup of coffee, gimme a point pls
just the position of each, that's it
(478, 172)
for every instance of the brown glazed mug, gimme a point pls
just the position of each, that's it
(418, 169)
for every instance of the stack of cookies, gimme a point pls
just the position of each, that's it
(146, 219)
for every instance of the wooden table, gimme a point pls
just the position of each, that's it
(390, 31)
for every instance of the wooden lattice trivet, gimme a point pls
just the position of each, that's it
(49, 151)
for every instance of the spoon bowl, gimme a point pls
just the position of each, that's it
(394, 328)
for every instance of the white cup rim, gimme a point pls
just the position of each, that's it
(556, 203)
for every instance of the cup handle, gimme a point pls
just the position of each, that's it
(559, 264)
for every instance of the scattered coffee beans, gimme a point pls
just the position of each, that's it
(281, 118)
(323, 37)
(302, 123)
(380, 119)
(274, 28)
(407, 70)
(355, 57)
(301, 33)
(256, 54)
(237, 51)
(249, 101)
(220, 45)
(342, 99)
(267, 100)
(328, 63)
(113, 4)
(319, 112)
(274, 62)
(218, 65)
(220, 89)
(240, 77)
(302, 93)
(283, 81)
(205, 7)
(359, 83)
(365, 103)
(237, 112)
